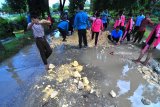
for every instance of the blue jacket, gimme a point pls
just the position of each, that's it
(116, 34)
(63, 25)
(81, 21)
(139, 20)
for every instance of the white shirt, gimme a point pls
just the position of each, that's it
(38, 30)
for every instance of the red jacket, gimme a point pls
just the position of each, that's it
(129, 25)
(157, 30)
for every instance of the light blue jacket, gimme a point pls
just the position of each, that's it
(81, 21)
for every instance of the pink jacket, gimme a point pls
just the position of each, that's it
(122, 20)
(157, 41)
(117, 23)
(129, 25)
(97, 25)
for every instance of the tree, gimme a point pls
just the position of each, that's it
(73, 6)
(6, 8)
(62, 3)
(17, 5)
(38, 7)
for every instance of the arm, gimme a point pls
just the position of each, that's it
(75, 22)
(30, 25)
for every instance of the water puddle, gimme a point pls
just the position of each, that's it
(124, 87)
(136, 99)
(125, 69)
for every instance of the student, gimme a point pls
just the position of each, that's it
(38, 31)
(146, 21)
(81, 23)
(104, 17)
(122, 18)
(128, 29)
(116, 35)
(138, 22)
(97, 26)
(151, 42)
(117, 21)
(63, 28)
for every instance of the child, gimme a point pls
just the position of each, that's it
(128, 29)
(117, 22)
(151, 42)
(122, 18)
(63, 28)
(116, 35)
(97, 26)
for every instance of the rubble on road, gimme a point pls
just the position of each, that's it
(113, 94)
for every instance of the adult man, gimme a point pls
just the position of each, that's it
(38, 31)
(81, 23)
(116, 35)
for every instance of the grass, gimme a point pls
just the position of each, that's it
(15, 45)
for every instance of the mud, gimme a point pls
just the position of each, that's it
(107, 67)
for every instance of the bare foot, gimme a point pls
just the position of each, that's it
(47, 67)
(144, 63)
(136, 61)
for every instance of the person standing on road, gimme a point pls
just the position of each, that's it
(123, 19)
(138, 22)
(38, 31)
(128, 29)
(146, 21)
(81, 23)
(151, 42)
(97, 26)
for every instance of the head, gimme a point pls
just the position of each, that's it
(121, 12)
(130, 15)
(147, 14)
(35, 18)
(81, 7)
(142, 11)
(97, 14)
(64, 17)
(117, 28)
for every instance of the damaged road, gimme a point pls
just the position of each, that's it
(94, 77)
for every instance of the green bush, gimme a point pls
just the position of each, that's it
(6, 28)
(19, 23)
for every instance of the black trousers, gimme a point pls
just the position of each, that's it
(44, 49)
(112, 39)
(96, 39)
(105, 25)
(135, 30)
(122, 28)
(139, 36)
(63, 33)
(82, 36)
(128, 36)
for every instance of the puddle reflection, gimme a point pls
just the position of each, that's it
(124, 87)
(138, 95)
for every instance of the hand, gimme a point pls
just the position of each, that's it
(118, 43)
